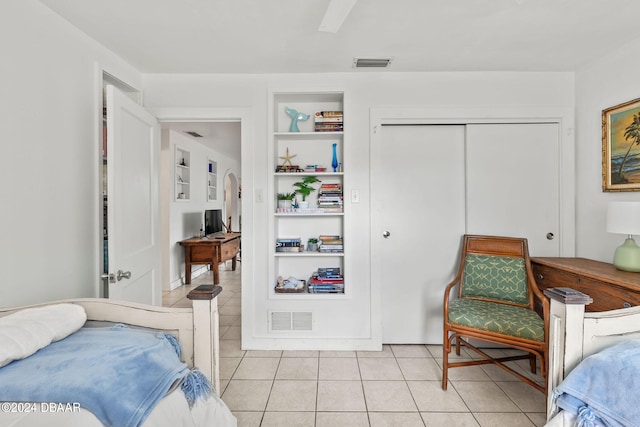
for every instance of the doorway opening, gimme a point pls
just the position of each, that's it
(213, 149)
(103, 201)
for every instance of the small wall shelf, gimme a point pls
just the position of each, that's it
(182, 175)
(212, 180)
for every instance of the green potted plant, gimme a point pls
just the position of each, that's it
(312, 244)
(284, 200)
(305, 189)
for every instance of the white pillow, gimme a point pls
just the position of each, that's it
(27, 331)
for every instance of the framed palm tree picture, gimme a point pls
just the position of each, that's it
(621, 147)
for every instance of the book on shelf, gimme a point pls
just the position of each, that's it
(331, 247)
(329, 127)
(315, 168)
(300, 211)
(330, 284)
(324, 237)
(329, 114)
(331, 187)
(332, 290)
(316, 278)
(288, 241)
(329, 272)
(293, 249)
(320, 119)
(289, 244)
(289, 168)
(315, 287)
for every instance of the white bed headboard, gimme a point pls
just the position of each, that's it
(575, 334)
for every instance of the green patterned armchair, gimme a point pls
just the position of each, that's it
(496, 296)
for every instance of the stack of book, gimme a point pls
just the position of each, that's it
(289, 168)
(326, 280)
(315, 168)
(329, 121)
(330, 197)
(330, 243)
(293, 244)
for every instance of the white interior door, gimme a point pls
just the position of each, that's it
(421, 195)
(513, 183)
(133, 144)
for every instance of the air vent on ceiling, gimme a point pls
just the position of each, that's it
(371, 62)
(193, 134)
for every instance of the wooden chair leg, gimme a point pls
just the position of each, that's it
(445, 364)
(446, 348)
(532, 363)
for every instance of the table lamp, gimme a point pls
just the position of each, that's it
(624, 218)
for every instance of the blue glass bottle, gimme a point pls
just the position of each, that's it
(334, 162)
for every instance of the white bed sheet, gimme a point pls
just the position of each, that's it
(172, 411)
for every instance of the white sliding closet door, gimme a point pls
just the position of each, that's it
(420, 192)
(513, 183)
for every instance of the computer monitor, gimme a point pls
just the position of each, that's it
(213, 221)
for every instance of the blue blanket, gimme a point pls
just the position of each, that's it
(117, 373)
(605, 387)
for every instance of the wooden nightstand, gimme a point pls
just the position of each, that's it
(609, 287)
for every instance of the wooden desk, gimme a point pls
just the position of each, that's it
(609, 287)
(212, 250)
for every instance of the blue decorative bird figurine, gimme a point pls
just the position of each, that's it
(295, 116)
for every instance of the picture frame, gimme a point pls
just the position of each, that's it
(621, 147)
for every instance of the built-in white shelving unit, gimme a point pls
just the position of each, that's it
(295, 156)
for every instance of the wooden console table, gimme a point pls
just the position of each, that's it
(211, 250)
(609, 287)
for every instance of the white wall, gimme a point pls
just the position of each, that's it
(346, 322)
(49, 220)
(183, 214)
(49, 227)
(601, 84)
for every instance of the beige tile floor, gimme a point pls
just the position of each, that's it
(398, 386)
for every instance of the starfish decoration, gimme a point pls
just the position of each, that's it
(287, 158)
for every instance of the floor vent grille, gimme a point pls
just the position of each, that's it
(290, 321)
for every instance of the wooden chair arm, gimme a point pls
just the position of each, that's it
(447, 291)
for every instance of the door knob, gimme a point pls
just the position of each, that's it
(386, 234)
(123, 275)
(550, 236)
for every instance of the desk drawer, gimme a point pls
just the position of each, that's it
(230, 249)
(202, 254)
(606, 296)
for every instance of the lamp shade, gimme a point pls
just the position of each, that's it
(623, 218)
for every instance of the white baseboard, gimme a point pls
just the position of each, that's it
(202, 269)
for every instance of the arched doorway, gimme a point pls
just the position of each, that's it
(232, 200)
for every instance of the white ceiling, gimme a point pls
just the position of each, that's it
(281, 36)
(224, 137)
